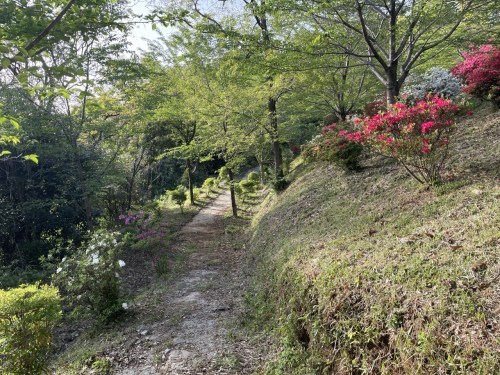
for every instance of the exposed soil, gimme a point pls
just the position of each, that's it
(194, 322)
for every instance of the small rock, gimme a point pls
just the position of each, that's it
(406, 240)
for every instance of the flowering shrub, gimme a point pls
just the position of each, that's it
(90, 276)
(435, 81)
(480, 71)
(330, 145)
(417, 136)
(131, 218)
(28, 315)
(142, 232)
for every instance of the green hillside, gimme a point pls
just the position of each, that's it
(370, 272)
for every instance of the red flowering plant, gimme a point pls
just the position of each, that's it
(417, 136)
(331, 146)
(480, 71)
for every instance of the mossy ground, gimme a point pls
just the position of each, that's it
(370, 272)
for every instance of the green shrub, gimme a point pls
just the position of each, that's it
(248, 186)
(28, 315)
(237, 189)
(178, 196)
(209, 184)
(253, 176)
(196, 194)
(185, 178)
(223, 174)
(90, 278)
(277, 184)
(13, 275)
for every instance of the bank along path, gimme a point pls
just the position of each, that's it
(194, 324)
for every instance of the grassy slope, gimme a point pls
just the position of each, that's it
(372, 273)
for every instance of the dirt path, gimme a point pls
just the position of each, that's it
(196, 329)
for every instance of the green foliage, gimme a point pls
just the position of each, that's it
(253, 176)
(223, 174)
(248, 186)
(245, 188)
(178, 196)
(238, 189)
(196, 193)
(28, 315)
(14, 275)
(102, 366)
(89, 277)
(278, 184)
(209, 184)
(185, 178)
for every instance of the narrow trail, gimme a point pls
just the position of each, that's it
(195, 329)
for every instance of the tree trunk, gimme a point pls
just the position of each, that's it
(190, 181)
(277, 155)
(231, 189)
(392, 85)
(261, 170)
(392, 69)
(82, 182)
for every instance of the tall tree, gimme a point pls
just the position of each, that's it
(396, 34)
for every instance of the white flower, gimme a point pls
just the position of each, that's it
(59, 270)
(121, 263)
(124, 306)
(95, 260)
(92, 247)
(70, 283)
(63, 260)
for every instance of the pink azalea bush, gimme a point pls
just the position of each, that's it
(331, 146)
(144, 233)
(417, 136)
(480, 71)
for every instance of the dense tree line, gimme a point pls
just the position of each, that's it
(90, 130)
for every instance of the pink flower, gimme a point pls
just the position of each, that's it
(427, 126)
